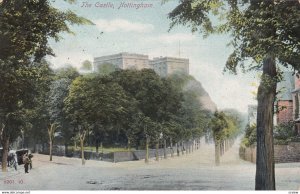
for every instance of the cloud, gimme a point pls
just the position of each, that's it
(122, 25)
(172, 38)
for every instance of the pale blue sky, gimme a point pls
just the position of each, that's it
(145, 31)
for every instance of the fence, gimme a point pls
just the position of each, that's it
(113, 156)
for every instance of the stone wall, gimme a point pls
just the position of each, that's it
(287, 153)
(282, 153)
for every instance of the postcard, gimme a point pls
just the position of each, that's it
(149, 95)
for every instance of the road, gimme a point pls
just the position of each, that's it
(195, 171)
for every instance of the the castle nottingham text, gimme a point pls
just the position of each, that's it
(119, 5)
(135, 5)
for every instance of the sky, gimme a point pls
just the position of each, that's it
(145, 31)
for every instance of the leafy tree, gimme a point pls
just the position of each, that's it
(171, 130)
(76, 109)
(192, 115)
(105, 69)
(86, 65)
(218, 124)
(150, 93)
(25, 27)
(57, 118)
(67, 72)
(93, 102)
(250, 135)
(38, 115)
(264, 31)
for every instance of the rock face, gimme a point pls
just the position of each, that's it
(193, 85)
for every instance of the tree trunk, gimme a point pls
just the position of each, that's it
(75, 144)
(5, 145)
(66, 149)
(156, 151)
(82, 138)
(165, 149)
(193, 145)
(265, 173)
(50, 148)
(128, 145)
(97, 146)
(171, 145)
(182, 148)
(177, 149)
(217, 152)
(199, 142)
(147, 150)
(51, 131)
(221, 148)
(82, 151)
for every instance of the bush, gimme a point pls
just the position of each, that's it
(250, 135)
(284, 133)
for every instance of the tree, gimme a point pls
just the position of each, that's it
(265, 31)
(67, 72)
(63, 78)
(105, 69)
(25, 27)
(76, 109)
(86, 65)
(38, 116)
(192, 115)
(218, 124)
(93, 102)
(250, 135)
(55, 104)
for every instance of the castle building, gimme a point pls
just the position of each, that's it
(123, 61)
(163, 66)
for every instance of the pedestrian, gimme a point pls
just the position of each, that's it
(12, 159)
(26, 162)
(30, 161)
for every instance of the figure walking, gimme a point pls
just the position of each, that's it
(30, 161)
(26, 162)
(12, 160)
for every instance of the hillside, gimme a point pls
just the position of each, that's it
(189, 83)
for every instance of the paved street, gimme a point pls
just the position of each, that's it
(188, 172)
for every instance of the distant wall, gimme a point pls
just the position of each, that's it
(248, 154)
(110, 157)
(282, 153)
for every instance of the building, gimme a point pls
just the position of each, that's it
(285, 98)
(123, 61)
(165, 66)
(252, 114)
(296, 104)
(288, 102)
